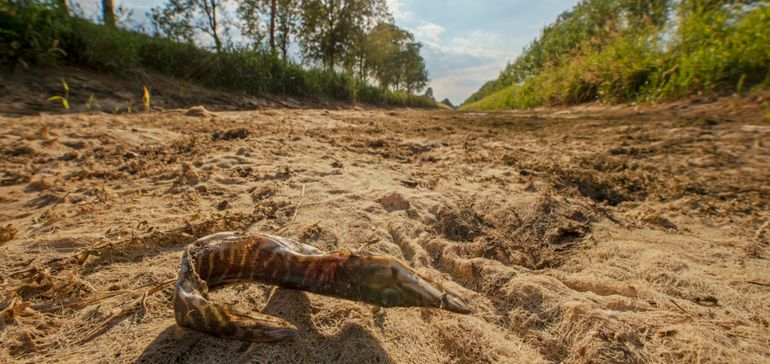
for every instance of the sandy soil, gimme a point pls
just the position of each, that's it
(584, 235)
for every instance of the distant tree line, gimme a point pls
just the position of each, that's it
(354, 36)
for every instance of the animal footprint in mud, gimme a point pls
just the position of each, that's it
(393, 202)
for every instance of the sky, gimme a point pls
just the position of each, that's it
(468, 42)
(465, 42)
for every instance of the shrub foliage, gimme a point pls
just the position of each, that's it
(628, 50)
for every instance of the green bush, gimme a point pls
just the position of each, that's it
(722, 48)
(32, 32)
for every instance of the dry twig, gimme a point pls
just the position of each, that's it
(762, 229)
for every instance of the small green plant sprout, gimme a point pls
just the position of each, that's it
(146, 99)
(92, 104)
(739, 88)
(63, 99)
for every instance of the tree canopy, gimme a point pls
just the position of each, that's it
(354, 36)
(393, 58)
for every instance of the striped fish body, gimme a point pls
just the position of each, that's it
(227, 258)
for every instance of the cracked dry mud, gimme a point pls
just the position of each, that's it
(586, 235)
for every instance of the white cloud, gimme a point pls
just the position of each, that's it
(457, 84)
(429, 32)
(477, 43)
(397, 8)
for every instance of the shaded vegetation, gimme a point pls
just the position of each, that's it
(43, 33)
(627, 50)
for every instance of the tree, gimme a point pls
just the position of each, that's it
(332, 28)
(210, 24)
(288, 13)
(278, 16)
(63, 6)
(179, 19)
(108, 13)
(415, 76)
(174, 21)
(273, 7)
(250, 13)
(393, 58)
(383, 48)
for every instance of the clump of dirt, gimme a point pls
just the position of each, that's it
(555, 221)
(393, 202)
(20, 149)
(237, 133)
(538, 236)
(7, 233)
(320, 237)
(41, 183)
(459, 223)
(263, 192)
(608, 182)
(198, 111)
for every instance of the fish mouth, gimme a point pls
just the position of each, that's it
(454, 303)
(439, 298)
(279, 334)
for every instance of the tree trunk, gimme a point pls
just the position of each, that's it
(211, 12)
(108, 12)
(361, 67)
(63, 4)
(285, 46)
(272, 26)
(332, 41)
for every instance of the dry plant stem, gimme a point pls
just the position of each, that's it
(296, 210)
(682, 309)
(125, 311)
(79, 258)
(762, 229)
(759, 283)
(301, 198)
(77, 304)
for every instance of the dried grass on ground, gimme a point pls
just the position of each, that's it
(585, 235)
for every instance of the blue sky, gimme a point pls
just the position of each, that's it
(465, 42)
